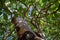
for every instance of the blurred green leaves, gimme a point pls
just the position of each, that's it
(47, 17)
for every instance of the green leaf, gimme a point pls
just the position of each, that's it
(5, 16)
(0, 13)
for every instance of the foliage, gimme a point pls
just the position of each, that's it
(44, 13)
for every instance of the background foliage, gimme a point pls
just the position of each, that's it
(45, 13)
